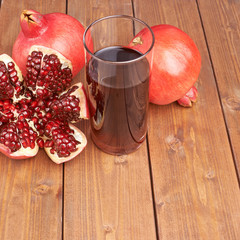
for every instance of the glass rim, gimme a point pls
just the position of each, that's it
(118, 16)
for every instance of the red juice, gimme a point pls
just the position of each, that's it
(118, 95)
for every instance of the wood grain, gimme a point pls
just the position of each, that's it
(31, 189)
(106, 197)
(195, 183)
(192, 151)
(223, 36)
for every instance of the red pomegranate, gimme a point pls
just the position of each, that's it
(37, 112)
(54, 30)
(176, 62)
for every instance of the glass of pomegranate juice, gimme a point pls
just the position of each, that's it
(118, 65)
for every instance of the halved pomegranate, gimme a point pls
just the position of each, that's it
(37, 115)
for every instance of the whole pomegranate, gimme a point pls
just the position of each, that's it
(56, 31)
(176, 64)
(37, 110)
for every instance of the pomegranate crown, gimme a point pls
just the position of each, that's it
(32, 23)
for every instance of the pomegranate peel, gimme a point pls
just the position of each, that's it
(84, 109)
(32, 23)
(23, 153)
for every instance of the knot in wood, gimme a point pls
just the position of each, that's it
(210, 174)
(41, 189)
(174, 143)
(232, 103)
(107, 228)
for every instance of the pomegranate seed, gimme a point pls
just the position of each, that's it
(52, 151)
(40, 115)
(20, 125)
(32, 144)
(48, 115)
(34, 104)
(49, 143)
(34, 120)
(40, 142)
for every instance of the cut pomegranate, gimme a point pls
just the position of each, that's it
(18, 140)
(48, 72)
(71, 105)
(30, 119)
(63, 142)
(57, 31)
(10, 78)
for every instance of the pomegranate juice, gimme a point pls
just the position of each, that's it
(118, 96)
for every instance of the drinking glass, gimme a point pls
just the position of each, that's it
(118, 67)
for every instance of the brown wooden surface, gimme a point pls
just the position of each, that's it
(30, 190)
(198, 184)
(110, 197)
(181, 184)
(223, 36)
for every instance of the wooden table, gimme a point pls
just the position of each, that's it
(183, 183)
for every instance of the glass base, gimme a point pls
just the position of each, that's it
(119, 150)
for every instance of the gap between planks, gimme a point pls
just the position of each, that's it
(149, 165)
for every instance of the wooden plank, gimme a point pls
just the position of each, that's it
(195, 183)
(223, 39)
(31, 189)
(106, 197)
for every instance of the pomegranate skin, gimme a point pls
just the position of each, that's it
(176, 63)
(19, 154)
(54, 30)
